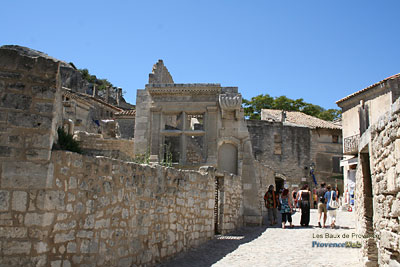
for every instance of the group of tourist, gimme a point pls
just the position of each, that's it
(325, 198)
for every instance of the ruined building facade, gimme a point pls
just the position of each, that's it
(195, 125)
(295, 145)
(371, 132)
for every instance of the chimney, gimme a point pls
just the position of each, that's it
(119, 95)
(94, 90)
(283, 116)
(107, 93)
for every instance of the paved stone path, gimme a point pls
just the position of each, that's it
(262, 246)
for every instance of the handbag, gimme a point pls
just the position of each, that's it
(334, 204)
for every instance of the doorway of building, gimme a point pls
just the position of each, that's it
(279, 183)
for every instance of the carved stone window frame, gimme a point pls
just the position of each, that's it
(183, 133)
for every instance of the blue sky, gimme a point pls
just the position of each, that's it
(317, 50)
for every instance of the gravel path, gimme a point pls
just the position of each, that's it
(262, 246)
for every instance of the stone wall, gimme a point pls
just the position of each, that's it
(230, 204)
(60, 208)
(285, 149)
(385, 170)
(96, 145)
(30, 106)
(104, 212)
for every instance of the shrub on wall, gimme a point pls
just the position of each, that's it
(66, 142)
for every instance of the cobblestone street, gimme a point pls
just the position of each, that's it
(261, 246)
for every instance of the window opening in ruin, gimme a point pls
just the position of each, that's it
(335, 139)
(336, 165)
(195, 122)
(194, 149)
(171, 149)
(173, 121)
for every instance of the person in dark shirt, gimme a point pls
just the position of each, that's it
(304, 199)
(321, 204)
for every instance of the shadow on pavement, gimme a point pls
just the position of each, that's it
(214, 250)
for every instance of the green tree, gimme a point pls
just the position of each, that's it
(253, 107)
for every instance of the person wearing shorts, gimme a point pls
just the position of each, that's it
(321, 205)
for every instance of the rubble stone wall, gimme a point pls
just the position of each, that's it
(285, 149)
(105, 212)
(96, 145)
(231, 203)
(385, 170)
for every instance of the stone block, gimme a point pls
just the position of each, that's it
(19, 86)
(3, 116)
(41, 247)
(29, 120)
(38, 141)
(10, 75)
(85, 234)
(37, 154)
(19, 201)
(44, 92)
(63, 237)
(50, 200)
(71, 247)
(4, 200)
(16, 247)
(44, 107)
(13, 232)
(16, 101)
(56, 263)
(391, 180)
(26, 175)
(37, 219)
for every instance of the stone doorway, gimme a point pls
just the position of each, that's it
(279, 183)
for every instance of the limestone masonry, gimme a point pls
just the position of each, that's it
(174, 171)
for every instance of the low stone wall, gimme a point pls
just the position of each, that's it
(385, 158)
(96, 145)
(104, 212)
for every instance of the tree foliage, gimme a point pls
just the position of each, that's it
(101, 84)
(253, 107)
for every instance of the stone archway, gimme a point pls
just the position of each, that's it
(228, 158)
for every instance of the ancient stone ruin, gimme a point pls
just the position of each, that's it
(204, 172)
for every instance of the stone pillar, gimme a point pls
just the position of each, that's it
(94, 90)
(155, 131)
(119, 95)
(211, 135)
(107, 94)
(30, 112)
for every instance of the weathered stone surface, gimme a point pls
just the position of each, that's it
(4, 200)
(38, 219)
(13, 232)
(26, 175)
(16, 247)
(19, 201)
(16, 101)
(41, 247)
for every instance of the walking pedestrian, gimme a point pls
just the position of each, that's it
(271, 199)
(321, 205)
(286, 208)
(314, 198)
(294, 198)
(330, 197)
(304, 200)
